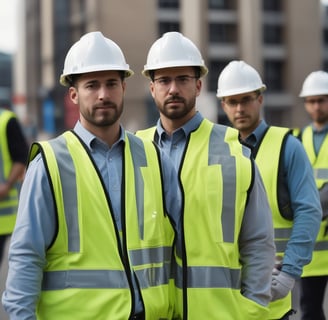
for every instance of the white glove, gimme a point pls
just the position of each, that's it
(281, 284)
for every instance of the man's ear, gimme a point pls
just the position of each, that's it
(72, 92)
(151, 88)
(223, 105)
(260, 98)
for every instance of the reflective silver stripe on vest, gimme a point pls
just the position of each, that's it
(320, 173)
(282, 233)
(152, 277)
(321, 246)
(139, 160)
(68, 181)
(218, 151)
(58, 280)
(209, 277)
(213, 277)
(9, 204)
(99, 279)
(7, 211)
(281, 236)
(150, 255)
(281, 245)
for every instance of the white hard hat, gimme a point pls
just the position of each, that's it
(238, 77)
(94, 52)
(174, 50)
(315, 84)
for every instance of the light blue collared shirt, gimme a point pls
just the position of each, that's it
(36, 221)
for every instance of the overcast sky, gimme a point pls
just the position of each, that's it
(8, 25)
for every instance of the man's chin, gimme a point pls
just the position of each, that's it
(240, 125)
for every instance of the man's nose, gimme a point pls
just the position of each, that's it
(173, 87)
(103, 92)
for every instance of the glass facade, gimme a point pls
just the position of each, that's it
(222, 4)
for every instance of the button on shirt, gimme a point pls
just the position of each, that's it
(27, 256)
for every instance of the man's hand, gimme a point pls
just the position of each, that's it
(281, 284)
(4, 190)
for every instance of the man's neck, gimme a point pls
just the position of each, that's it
(170, 125)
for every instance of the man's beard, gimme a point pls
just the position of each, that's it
(179, 112)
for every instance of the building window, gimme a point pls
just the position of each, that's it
(165, 4)
(222, 33)
(273, 75)
(277, 116)
(272, 34)
(222, 4)
(215, 68)
(325, 65)
(272, 5)
(164, 27)
(325, 37)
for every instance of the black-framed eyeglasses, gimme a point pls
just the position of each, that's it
(245, 101)
(313, 101)
(181, 81)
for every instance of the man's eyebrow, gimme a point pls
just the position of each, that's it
(91, 81)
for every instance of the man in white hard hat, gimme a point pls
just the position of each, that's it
(315, 141)
(93, 238)
(287, 177)
(227, 251)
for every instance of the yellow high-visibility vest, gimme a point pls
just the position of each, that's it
(319, 263)
(88, 275)
(8, 205)
(208, 284)
(268, 164)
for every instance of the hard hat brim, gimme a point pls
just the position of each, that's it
(64, 81)
(145, 72)
(239, 91)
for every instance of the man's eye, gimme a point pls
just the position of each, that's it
(246, 100)
(182, 79)
(163, 80)
(112, 84)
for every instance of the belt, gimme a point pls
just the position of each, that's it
(138, 316)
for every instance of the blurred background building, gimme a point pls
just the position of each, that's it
(283, 40)
(6, 83)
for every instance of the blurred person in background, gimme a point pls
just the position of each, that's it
(13, 157)
(94, 231)
(315, 141)
(227, 253)
(287, 176)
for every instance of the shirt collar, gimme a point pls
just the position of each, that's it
(256, 135)
(323, 130)
(187, 128)
(89, 138)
